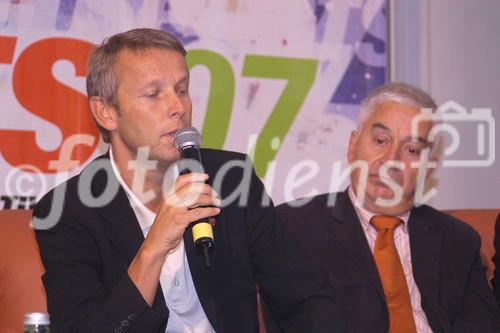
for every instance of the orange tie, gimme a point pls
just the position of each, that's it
(392, 275)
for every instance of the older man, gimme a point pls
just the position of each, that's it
(119, 256)
(398, 266)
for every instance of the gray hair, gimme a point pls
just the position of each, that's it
(403, 93)
(397, 92)
(101, 79)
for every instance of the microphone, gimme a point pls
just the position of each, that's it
(187, 141)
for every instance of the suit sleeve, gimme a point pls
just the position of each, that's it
(479, 311)
(78, 299)
(297, 292)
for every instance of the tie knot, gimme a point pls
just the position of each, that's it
(381, 222)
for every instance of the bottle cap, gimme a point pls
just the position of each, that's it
(36, 318)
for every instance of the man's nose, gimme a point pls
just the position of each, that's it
(391, 154)
(174, 106)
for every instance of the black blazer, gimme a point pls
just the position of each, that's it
(87, 253)
(446, 266)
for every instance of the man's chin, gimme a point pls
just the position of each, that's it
(165, 158)
(397, 209)
(379, 202)
(381, 190)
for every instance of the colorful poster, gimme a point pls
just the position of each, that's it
(281, 80)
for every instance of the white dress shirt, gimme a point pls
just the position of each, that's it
(402, 241)
(186, 313)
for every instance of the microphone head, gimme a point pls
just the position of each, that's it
(187, 137)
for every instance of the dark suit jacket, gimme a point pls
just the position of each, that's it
(496, 260)
(87, 253)
(446, 266)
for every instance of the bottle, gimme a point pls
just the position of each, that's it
(36, 322)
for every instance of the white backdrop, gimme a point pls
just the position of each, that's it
(450, 48)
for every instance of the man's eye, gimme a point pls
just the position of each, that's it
(413, 151)
(380, 141)
(183, 90)
(152, 94)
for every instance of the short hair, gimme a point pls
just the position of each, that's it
(398, 92)
(101, 78)
(403, 93)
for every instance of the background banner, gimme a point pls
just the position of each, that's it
(281, 80)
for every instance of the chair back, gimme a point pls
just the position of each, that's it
(21, 288)
(483, 221)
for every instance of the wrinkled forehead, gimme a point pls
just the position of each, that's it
(405, 119)
(135, 58)
(142, 64)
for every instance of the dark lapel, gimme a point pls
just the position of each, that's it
(122, 226)
(347, 228)
(425, 242)
(203, 276)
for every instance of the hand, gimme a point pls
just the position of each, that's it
(183, 204)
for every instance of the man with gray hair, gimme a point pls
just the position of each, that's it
(120, 256)
(398, 265)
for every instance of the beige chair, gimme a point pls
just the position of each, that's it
(483, 221)
(21, 288)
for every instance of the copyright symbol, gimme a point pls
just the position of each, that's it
(24, 180)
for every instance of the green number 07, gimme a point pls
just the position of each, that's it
(300, 74)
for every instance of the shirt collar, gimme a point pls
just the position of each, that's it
(365, 215)
(145, 216)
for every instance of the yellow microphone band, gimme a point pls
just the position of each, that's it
(201, 230)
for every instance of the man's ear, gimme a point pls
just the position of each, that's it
(353, 141)
(434, 161)
(104, 114)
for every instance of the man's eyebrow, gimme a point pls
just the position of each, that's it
(154, 83)
(184, 79)
(380, 126)
(409, 139)
(157, 83)
(419, 139)
(422, 140)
